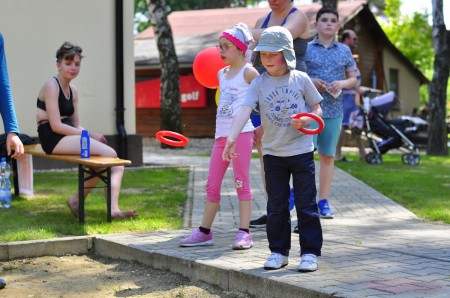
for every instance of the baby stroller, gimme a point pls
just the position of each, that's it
(384, 134)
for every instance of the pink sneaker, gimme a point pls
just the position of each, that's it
(197, 238)
(243, 240)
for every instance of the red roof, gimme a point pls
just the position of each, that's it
(210, 21)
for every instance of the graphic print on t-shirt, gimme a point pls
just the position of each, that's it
(226, 105)
(283, 102)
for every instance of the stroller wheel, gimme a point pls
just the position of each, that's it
(411, 159)
(374, 158)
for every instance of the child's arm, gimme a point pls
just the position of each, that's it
(238, 124)
(316, 109)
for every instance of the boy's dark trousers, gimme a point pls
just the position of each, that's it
(278, 171)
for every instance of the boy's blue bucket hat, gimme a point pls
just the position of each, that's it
(277, 39)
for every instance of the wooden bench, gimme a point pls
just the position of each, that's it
(86, 172)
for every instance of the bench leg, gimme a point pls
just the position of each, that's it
(15, 176)
(90, 175)
(81, 194)
(108, 193)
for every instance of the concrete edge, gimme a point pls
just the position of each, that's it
(49, 247)
(226, 279)
(187, 218)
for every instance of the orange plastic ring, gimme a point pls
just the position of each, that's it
(313, 116)
(163, 134)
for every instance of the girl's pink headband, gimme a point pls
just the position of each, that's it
(236, 41)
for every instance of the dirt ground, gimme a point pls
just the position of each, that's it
(91, 276)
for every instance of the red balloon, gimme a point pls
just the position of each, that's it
(206, 65)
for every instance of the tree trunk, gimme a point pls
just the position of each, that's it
(170, 79)
(437, 130)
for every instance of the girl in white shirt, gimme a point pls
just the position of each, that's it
(234, 81)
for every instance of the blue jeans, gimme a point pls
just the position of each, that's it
(278, 171)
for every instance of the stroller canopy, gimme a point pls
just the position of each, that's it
(383, 102)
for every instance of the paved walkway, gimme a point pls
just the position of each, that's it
(372, 248)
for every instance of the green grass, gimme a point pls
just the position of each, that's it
(158, 195)
(422, 189)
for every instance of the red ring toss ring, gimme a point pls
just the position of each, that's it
(313, 116)
(180, 141)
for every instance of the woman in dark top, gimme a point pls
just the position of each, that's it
(59, 128)
(285, 14)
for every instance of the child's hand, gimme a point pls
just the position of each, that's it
(259, 131)
(300, 122)
(229, 152)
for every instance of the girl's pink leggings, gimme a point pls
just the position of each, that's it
(241, 168)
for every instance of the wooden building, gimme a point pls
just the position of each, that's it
(382, 65)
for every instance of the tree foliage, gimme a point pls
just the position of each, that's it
(410, 34)
(141, 9)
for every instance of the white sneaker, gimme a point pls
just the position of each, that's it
(308, 263)
(275, 261)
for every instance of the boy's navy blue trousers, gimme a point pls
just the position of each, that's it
(278, 171)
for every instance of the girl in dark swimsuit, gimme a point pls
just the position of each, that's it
(59, 128)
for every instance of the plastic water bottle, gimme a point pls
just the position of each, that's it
(85, 144)
(5, 184)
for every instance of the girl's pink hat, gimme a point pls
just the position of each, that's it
(240, 35)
